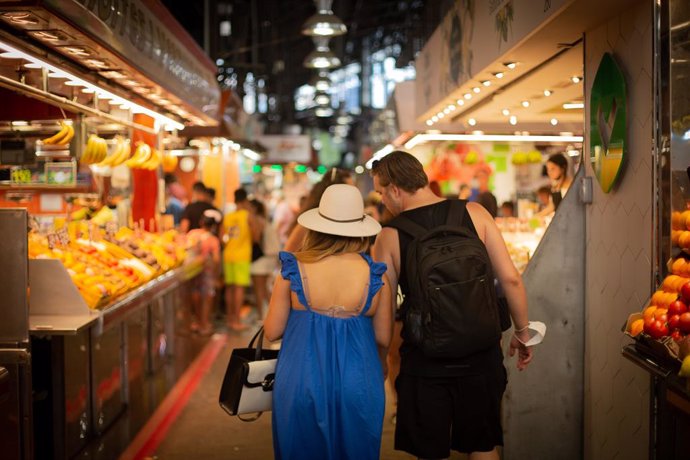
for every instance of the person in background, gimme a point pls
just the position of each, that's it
(173, 205)
(464, 192)
(543, 197)
(334, 176)
(207, 247)
(263, 267)
(557, 170)
(195, 210)
(331, 307)
(484, 196)
(507, 209)
(239, 230)
(446, 403)
(210, 199)
(283, 216)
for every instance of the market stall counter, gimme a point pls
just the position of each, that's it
(98, 372)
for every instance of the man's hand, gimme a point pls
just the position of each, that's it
(524, 353)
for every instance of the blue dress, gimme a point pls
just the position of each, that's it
(328, 395)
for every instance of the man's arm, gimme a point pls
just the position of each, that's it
(508, 276)
(387, 250)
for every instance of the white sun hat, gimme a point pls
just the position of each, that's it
(340, 212)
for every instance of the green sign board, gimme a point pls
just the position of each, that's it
(607, 122)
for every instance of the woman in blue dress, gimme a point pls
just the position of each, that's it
(331, 306)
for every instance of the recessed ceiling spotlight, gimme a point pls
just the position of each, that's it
(486, 83)
(554, 122)
(575, 79)
(451, 107)
(574, 105)
(498, 75)
(505, 112)
(513, 120)
(525, 104)
(548, 92)
(468, 96)
(472, 122)
(460, 102)
(434, 118)
(446, 110)
(510, 65)
(440, 114)
(429, 122)
(476, 89)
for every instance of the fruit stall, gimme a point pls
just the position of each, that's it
(90, 102)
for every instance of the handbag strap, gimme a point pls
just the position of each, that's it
(259, 343)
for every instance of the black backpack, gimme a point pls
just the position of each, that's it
(451, 309)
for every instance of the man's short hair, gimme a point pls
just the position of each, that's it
(211, 192)
(546, 190)
(199, 187)
(400, 169)
(240, 195)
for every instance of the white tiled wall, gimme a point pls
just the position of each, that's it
(619, 250)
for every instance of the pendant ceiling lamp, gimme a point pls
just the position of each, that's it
(322, 57)
(324, 23)
(320, 82)
(322, 98)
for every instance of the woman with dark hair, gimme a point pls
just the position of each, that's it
(557, 170)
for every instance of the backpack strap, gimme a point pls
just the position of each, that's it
(407, 225)
(456, 215)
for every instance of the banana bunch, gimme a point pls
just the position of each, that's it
(120, 154)
(96, 150)
(62, 137)
(154, 162)
(142, 154)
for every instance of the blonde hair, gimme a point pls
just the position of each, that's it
(319, 245)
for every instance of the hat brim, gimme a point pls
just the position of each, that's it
(314, 221)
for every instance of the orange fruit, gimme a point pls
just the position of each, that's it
(649, 312)
(660, 311)
(670, 281)
(676, 220)
(636, 327)
(657, 298)
(675, 235)
(684, 219)
(678, 266)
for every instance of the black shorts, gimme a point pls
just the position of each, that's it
(436, 415)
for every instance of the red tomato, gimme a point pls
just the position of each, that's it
(673, 321)
(684, 322)
(685, 292)
(676, 335)
(677, 307)
(658, 329)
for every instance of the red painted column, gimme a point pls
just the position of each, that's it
(144, 181)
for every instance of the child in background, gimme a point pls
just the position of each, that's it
(208, 249)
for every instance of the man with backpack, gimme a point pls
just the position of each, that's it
(444, 254)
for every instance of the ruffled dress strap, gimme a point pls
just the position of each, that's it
(376, 271)
(290, 272)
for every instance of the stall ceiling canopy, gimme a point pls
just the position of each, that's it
(136, 44)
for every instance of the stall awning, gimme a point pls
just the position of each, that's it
(136, 45)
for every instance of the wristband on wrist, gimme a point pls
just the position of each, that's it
(522, 329)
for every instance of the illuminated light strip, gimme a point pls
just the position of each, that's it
(421, 138)
(388, 148)
(167, 122)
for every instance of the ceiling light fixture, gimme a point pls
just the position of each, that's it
(575, 79)
(103, 94)
(388, 148)
(476, 89)
(510, 65)
(512, 120)
(486, 83)
(434, 118)
(525, 104)
(554, 122)
(322, 98)
(451, 107)
(505, 112)
(324, 23)
(468, 96)
(460, 102)
(429, 122)
(574, 105)
(321, 82)
(471, 122)
(322, 57)
(426, 137)
(548, 92)
(498, 75)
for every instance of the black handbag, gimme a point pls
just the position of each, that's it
(248, 383)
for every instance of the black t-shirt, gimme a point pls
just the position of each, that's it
(412, 359)
(488, 200)
(194, 211)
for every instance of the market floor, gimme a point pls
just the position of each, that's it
(202, 430)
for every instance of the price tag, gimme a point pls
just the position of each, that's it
(63, 236)
(110, 229)
(53, 240)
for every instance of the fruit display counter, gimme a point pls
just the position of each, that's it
(522, 236)
(105, 317)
